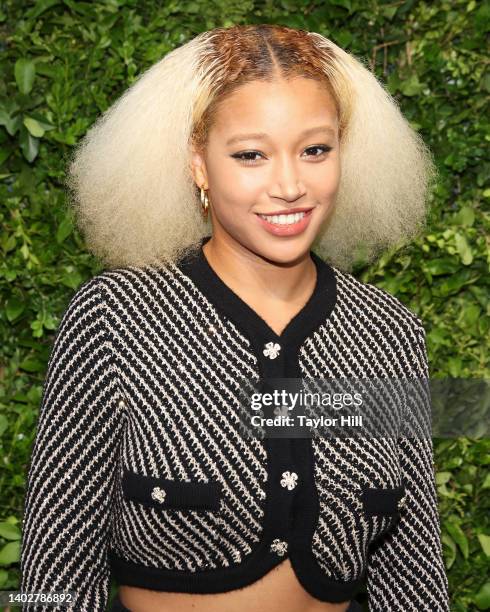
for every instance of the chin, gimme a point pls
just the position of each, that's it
(284, 252)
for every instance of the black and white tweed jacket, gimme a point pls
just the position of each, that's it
(138, 466)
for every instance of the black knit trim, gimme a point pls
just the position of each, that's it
(317, 309)
(221, 580)
(167, 494)
(305, 512)
(382, 502)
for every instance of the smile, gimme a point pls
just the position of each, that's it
(283, 219)
(290, 224)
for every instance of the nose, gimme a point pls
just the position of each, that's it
(286, 183)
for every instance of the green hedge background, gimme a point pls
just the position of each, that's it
(64, 62)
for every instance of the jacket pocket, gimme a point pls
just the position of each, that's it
(351, 519)
(171, 494)
(383, 501)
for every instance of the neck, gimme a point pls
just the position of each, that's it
(241, 268)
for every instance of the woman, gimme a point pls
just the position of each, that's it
(278, 141)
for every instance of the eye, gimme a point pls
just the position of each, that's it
(323, 148)
(246, 160)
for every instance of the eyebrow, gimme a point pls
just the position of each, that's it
(262, 135)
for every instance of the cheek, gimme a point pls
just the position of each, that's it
(235, 190)
(231, 202)
(326, 183)
(248, 180)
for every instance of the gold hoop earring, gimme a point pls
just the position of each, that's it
(204, 202)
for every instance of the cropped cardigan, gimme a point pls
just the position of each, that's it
(138, 467)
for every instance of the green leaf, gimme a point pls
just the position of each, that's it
(459, 537)
(51, 322)
(451, 545)
(439, 337)
(455, 366)
(31, 364)
(389, 11)
(464, 249)
(453, 284)
(11, 124)
(394, 83)
(25, 71)
(3, 424)
(484, 543)
(343, 38)
(343, 3)
(42, 121)
(443, 477)
(4, 155)
(37, 329)
(482, 598)
(453, 462)
(14, 308)
(470, 315)
(34, 127)
(29, 145)
(71, 279)
(8, 531)
(411, 86)
(10, 553)
(9, 243)
(442, 266)
(4, 117)
(40, 7)
(485, 82)
(65, 228)
(486, 482)
(466, 217)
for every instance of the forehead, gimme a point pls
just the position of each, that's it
(292, 105)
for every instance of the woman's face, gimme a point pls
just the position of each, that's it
(273, 149)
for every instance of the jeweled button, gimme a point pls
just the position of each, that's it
(289, 480)
(279, 547)
(281, 411)
(158, 494)
(402, 502)
(271, 349)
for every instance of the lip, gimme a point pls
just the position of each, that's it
(287, 230)
(287, 211)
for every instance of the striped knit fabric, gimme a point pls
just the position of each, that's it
(139, 466)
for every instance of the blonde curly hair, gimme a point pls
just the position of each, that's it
(129, 179)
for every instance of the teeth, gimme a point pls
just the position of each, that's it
(283, 219)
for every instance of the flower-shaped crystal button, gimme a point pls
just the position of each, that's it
(279, 546)
(271, 349)
(401, 502)
(282, 411)
(158, 494)
(289, 480)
